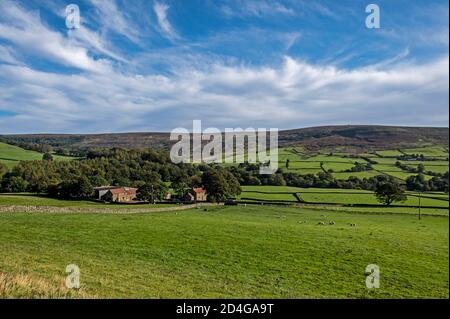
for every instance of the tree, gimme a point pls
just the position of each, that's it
(287, 163)
(195, 181)
(45, 148)
(420, 168)
(14, 184)
(220, 184)
(390, 192)
(98, 180)
(152, 192)
(47, 157)
(80, 188)
(85, 189)
(3, 170)
(417, 183)
(180, 188)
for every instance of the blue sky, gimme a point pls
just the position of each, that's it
(147, 65)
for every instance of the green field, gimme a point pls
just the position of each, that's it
(430, 150)
(33, 200)
(339, 163)
(436, 204)
(229, 252)
(10, 155)
(317, 246)
(300, 162)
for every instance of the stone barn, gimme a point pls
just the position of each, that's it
(196, 195)
(116, 194)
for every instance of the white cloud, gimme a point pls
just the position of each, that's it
(295, 94)
(258, 8)
(223, 93)
(291, 39)
(115, 20)
(7, 55)
(25, 30)
(163, 22)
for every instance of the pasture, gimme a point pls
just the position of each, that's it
(10, 155)
(35, 200)
(317, 246)
(340, 163)
(354, 200)
(226, 252)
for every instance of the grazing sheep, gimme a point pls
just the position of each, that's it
(352, 225)
(332, 222)
(320, 223)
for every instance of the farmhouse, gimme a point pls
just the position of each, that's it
(196, 195)
(116, 194)
(101, 191)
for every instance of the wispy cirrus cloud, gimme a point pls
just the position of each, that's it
(113, 19)
(259, 8)
(24, 29)
(161, 10)
(7, 55)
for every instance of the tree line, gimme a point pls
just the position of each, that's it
(152, 172)
(149, 171)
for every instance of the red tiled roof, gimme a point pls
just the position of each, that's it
(198, 190)
(106, 187)
(122, 190)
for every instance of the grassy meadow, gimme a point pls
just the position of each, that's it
(354, 200)
(316, 246)
(302, 162)
(10, 155)
(229, 252)
(35, 200)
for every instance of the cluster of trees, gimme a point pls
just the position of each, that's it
(3, 170)
(151, 171)
(248, 174)
(437, 183)
(418, 157)
(108, 167)
(411, 169)
(405, 157)
(148, 170)
(419, 169)
(360, 167)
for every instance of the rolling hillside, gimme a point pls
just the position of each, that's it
(10, 155)
(351, 137)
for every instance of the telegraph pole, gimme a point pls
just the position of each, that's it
(420, 197)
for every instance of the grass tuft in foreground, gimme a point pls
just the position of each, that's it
(26, 286)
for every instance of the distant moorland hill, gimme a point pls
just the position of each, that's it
(349, 136)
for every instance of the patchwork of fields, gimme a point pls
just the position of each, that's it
(352, 200)
(302, 162)
(340, 163)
